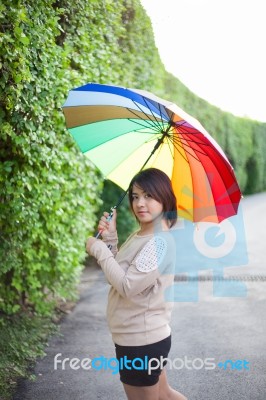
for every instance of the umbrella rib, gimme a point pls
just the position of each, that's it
(171, 120)
(175, 144)
(186, 145)
(178, 124)
(152, 127)
(160, 109)
(160, 147)
(192, 140)
(147, 115)
(201, 143)
(152, 111)
(181, 126)
(211, 147)
(185, 158)
(177, 149)
(170, 149)
(184, 130)
(201, 151)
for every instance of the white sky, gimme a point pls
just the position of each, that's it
(217, 48)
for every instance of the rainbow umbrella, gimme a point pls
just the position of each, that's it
(125, 130)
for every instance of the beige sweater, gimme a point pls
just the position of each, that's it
(137, 311)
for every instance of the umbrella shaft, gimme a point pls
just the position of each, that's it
(157, 145)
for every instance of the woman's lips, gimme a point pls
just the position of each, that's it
(142, 212)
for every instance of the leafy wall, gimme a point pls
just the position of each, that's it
(49, 193)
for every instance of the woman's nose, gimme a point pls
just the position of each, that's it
(141, 202)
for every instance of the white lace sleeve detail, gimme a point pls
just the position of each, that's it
(151, 255)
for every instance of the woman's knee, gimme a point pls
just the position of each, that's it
(172, 395)
(166, 395)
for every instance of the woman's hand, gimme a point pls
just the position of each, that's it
(106, 227)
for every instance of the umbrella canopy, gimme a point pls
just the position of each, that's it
(124, 130)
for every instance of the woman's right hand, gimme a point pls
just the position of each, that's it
(106, 227)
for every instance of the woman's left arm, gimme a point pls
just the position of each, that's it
(142, 272)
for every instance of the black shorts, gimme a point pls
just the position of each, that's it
(136, 366)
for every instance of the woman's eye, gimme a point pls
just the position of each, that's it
(147, 195)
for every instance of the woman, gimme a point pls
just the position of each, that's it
(137, 313)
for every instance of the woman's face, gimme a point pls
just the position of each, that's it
(145, 208)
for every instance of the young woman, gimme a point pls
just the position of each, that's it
(140, 274)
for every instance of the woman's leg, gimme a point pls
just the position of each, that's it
(142, 392)
(166, 392)
(159, 391)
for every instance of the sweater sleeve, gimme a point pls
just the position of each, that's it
(111, 242)
(138, 276)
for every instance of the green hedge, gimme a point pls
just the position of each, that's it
(49, 192)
